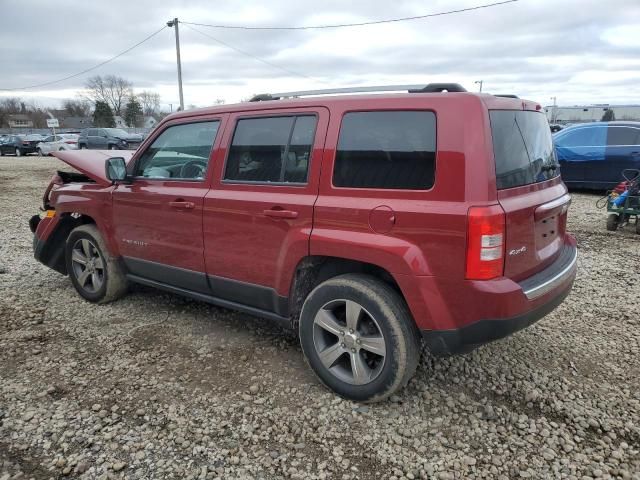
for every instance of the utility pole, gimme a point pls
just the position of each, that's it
(554, 115)
(174, 23)
(480, 82)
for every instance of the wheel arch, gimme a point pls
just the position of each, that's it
(315, 269)
(51, 251)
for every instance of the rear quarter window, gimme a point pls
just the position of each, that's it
(522, 148)
(386, 149)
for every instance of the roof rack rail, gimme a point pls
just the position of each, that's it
(506, 95)
(430, 88)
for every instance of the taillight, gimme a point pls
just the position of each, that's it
(70, 142)
(485, 242)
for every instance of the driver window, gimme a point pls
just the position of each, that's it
(180, 152)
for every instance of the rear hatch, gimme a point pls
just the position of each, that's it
(530, 191)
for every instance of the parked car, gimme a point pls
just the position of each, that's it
(19, 145)
(59, 142)
(593, 155)
(108, 139)
(367, 222)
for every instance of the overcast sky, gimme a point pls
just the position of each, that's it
(581, 51)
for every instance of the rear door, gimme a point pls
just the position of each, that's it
(530, 191)
(258, 214)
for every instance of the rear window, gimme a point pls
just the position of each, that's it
(522, 148)
(386, 149)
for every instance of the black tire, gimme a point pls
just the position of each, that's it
(112, 147)
(39, 152)
(19, 152)
(392, 321)
(82, 146)
(113, 284)
(612, 222)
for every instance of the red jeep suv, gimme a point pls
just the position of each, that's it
(370, 223)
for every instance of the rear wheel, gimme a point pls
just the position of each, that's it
(359, 338)
(82, 146)
(95, 274)
(612, 222)
(40, 152)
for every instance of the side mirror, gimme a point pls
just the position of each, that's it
(116, 169)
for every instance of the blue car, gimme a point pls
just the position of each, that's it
(593, 155)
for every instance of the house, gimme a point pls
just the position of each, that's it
(149, 122)
(120, 123)
(19, 120)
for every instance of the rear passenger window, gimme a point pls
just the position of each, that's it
(623, 136)
(271, 150)
(390, 149)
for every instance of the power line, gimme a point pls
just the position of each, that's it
(88, 69)
(359, 24)
(266, 62)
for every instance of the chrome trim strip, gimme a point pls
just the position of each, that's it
(548, 285)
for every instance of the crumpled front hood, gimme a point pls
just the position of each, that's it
(91, 162)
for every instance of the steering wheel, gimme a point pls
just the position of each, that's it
(193, 169)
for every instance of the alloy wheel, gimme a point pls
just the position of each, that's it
(349, 342)
(88, 265)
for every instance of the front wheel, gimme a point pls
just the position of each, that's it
(40, 152)
(18, 152)
(612, 222)
(359, 338)
(112, 147)
(95, 274)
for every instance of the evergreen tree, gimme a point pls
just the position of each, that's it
(608, 116)
(103, 115)
(133, 115)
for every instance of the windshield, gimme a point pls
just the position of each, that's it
(117, 132)
(522, 148)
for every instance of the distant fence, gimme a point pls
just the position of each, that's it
(49, 131)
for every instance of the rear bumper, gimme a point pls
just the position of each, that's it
(470, 337)
(507, 306)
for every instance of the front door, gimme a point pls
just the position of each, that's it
(158, 216)
(258, 214)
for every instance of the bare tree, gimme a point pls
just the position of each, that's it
(77, 108)
(37, 113)
(110, 89)
(8, 106)
(150, 102)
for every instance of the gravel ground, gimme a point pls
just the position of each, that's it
(157, 386)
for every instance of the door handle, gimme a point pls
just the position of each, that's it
(273, 213)
(182, 204)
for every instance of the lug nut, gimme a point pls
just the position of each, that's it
(351, 330)
(353, 350)
(342, 345)
(342, 332)
(358, 341)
